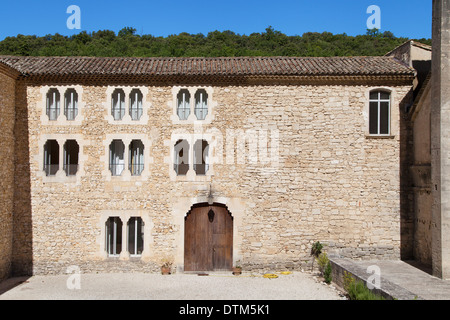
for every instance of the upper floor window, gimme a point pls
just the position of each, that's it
(201, 157)
(136, 159)
(136, 104)
(201, 104)
(118, 104)
(181, 161)
(183, 106)
(116, 157)
(71, 104)
(51, 157)
(71, 151)
(379, 113)
(53, 101)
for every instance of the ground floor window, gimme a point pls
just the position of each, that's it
(133, 241)
(135, 236)
(114, 236)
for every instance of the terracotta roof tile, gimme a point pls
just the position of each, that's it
(229, 66)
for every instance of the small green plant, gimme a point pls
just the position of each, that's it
(316, 249)
(327, 273)
(356, 290)
(322, 262)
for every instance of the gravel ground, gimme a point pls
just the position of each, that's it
(295, 286)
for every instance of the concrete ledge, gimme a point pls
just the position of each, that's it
(387, 289)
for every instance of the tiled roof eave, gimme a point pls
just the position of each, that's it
(221, 79)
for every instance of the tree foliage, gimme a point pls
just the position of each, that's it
(105, 43)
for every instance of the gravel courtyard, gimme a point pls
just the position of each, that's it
(295, 286)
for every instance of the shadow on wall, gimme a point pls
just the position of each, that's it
(22, 260)
(406, 191)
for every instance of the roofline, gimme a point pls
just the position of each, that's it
(81, 75)
(411, 43)
(9, 71)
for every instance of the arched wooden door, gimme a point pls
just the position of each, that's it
(208, 239)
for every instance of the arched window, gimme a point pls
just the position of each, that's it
(71, 150)
(113, 236)
(118, 104)
(136, 157)
(71, 104)
(201, 104)
(116, 157)
(53, 101)
(136, 104)
(183, 106)
(135, 228)
(181, 161)
(201, 157)
(379, 112)
(51, 157)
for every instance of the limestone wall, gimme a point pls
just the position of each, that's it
(316, 176)
(7, 114)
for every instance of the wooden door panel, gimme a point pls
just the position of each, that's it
(208, 239)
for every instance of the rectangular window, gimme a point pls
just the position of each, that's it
(379, 113)
(135, 236)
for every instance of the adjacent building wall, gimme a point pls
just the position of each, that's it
(316, 176)
(7, 115)
(421, 176)
(440, 141)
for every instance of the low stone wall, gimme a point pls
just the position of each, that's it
(341, 267)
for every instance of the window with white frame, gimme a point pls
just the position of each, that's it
(201, 157)
(379, 112)
(113, 236)
(136, 157)
(52, 104)
(116, 157)
(118, 104)
(71, 150)
(136, 109)
(181, 161)
(51, 157)
(71, 104)
(201, 104)
(135, 227)
(183, 104)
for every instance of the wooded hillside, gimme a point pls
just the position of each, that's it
(127, 42)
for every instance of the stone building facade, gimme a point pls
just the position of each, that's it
(109, 157)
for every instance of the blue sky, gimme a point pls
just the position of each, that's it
(161, 18)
